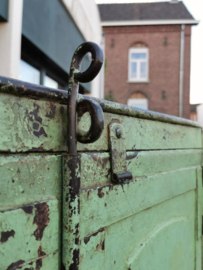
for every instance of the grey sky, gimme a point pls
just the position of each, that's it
(196, 8)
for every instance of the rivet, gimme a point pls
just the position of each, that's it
(118, 133)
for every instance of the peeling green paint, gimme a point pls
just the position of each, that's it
(103, 226)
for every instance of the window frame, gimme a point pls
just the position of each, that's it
(138, 101)
(138, 61)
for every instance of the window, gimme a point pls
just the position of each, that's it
(49, 82)
(138, 100)
(28, 73)
(141, 103)
(138, 65)
(32, 75)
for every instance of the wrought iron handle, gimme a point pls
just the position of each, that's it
(97, 120)
(96, 113)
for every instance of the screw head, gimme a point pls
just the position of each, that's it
(118, 133)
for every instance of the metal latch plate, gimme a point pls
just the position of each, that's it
(118, 154)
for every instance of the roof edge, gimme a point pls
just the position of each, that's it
(149, 22)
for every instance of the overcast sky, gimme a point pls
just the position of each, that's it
(196, 8)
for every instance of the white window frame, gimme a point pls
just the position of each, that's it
(136, 102)
(138, 61)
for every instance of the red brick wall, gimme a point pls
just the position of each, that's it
(164, 65)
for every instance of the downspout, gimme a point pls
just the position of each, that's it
(181, 82)
(101, 87)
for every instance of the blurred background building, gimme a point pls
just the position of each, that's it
(38, 39)
(147, 48)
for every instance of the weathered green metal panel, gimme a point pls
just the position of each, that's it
(199, 227)
(28, 125)
(146, 134)
(129, 226)
(49, 26)
(4, 10)
(154, 239)
(30, 211)
(29, 233)
(95, 167)
(61, 211)
(28, 179)
(112, 203)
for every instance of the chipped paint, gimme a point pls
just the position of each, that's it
(71, 211)
(41, 220)
(15, 265)
(5, 235)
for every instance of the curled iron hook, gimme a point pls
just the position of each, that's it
(96, 113)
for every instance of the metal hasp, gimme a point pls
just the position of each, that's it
(95, 110)
(118, 154)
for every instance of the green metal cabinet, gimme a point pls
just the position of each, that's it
(60, 211)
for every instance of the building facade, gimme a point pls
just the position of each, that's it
(38, 39)
(147, 49)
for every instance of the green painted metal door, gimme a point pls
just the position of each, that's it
(150, 222)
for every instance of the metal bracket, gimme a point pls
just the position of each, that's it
(118, 154)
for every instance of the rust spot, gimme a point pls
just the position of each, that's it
(5, 235)
(102, 162)
(40, 132)
(16, 265)
(35, 125)
(100, 246)
(87, 239)
(41, 219)
(36, 120)
(100, 193)
(110, 187)
(88, 194)
(131, 156)
(52, 111)
(74, 265)
(41, 254)
(27, 209)
(61, 109)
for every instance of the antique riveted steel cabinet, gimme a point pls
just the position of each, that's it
(128, 196)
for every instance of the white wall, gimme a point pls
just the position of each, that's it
(200, 114)
(86, 16)
(10, 40)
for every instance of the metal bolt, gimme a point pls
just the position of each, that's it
(118, 133)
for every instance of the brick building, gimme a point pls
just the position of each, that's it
(147, 50)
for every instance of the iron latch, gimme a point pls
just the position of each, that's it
(118, 154)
